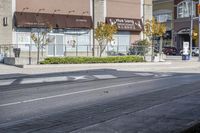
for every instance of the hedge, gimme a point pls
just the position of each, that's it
(88, 60)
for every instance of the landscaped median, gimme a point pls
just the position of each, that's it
(89, 60)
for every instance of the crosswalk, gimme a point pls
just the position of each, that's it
(38, 80)
(54, 79)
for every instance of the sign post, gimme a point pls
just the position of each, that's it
(186, 53)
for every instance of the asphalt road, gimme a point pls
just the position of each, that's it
(100, 102)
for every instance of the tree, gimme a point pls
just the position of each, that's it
(41, 39)
(195, 34)
(154, 29)
(104, 34)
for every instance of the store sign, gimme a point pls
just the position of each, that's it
(126, 24)
(186, 48)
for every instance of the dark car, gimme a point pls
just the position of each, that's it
(170, 51)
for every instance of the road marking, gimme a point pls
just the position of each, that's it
(104, 76)
(42, 80)
(6, 82)
(73, 93)
(55, 79)
(78, 77)
(163, 75)
(144, 74)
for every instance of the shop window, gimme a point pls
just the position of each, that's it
(120, 43)
(24, 41)
(56, 47)
(78, 40)
(163, 17)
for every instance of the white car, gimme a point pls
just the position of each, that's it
(195, 51)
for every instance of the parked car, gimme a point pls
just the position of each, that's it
(195, 51)
(170, 51)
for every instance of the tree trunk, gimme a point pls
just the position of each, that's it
(102, 48)
(152, 52)
(38, 54)
(160, 48)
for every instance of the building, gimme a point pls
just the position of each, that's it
(6, 21)
(163, 11)
(73, 22)
(182, 22)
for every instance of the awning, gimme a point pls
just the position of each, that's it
(35, 20)
(126, 24)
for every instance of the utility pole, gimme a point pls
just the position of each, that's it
(93, 36)
(191, 27)
(199, 27)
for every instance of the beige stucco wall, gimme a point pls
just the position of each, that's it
(79, 6)
(6, 31)
(124, 8)
(163, 5)
(148, 6)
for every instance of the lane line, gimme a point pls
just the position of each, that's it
(73, 93)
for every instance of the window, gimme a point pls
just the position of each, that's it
(184, 9)
(163, 17)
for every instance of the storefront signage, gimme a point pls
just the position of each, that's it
(126, 24)
(58, 21)
(186, 48)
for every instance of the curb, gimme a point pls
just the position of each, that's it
(93, 65)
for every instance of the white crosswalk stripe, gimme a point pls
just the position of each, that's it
(55, 79)
(6, 82)
(104, 76)
(144, 74)
(42, 80)
(72, 78)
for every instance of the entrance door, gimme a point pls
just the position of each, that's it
(59, 50)
(182, 38)
(56, 48)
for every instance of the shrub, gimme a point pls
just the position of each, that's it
(87, 60)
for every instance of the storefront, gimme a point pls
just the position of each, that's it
(127, 29)
(71, 33)
(182, 23)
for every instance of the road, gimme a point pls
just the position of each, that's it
(100, 102)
